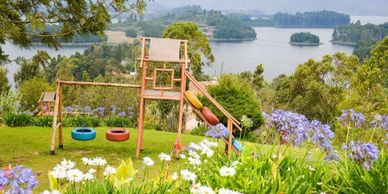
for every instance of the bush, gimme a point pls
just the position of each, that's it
(117, 121)
(199, 130)
(31, 90)
(43, 121)
(18, 119)
(238, 98)
(82, 121)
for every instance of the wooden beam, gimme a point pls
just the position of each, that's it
(230, 129)
(55, 117)
(60, 117)
(99, 84)
(143, 65)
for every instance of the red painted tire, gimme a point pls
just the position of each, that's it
(210, 116)
(117, 134)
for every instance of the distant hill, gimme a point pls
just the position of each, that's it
(352, 7)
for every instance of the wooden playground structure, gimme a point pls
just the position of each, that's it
(161, 59)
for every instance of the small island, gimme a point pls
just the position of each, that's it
(304, 39)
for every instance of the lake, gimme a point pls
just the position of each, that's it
(271, 48)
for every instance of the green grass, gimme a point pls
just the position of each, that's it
(30, 146)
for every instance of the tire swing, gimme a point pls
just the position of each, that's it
(83, 133)
(210, 117)
(117, 134)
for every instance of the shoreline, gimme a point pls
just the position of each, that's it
(304, 44)
(352, 44)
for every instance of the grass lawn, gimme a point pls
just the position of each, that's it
(30, 146)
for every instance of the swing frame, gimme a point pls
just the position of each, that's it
(169, 54)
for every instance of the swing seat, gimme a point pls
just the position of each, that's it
(194, 100)
(83, 133)
(117, 134)
(210, 117)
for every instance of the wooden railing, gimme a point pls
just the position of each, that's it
(231, 120)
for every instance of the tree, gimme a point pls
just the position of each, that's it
(379, 59)
(71, 17)
(4, 86)
(30, 92)
(237, 97)
(28, 70)
(198, 45)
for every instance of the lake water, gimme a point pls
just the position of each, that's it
(270, 49)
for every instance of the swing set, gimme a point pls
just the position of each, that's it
(161, 59)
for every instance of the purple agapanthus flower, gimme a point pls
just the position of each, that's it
(352, 118)
(121, 114)
(267, 120)
(364, 153)
(99, 111)
(17, 180)
(293, 127)
(322, 136)
(217, 131)
(87, 109)
(380, 121)
(69, 109)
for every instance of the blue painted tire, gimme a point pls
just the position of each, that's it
(83, 133)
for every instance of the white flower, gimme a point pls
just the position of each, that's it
(88, 176)
(98, 161)
(74, 175)
(53, 192)
(194, 161)
(193, 154)
(195, 188)
(227, 191)
(188, 175)
(198, 189)
(234, 163)
(164, 157)
(207, 151)
(209, 143)
(227, 171)
(67, 164)
(174, 176)
(92, 170)
(109, 170)
(87, 161)
(147, 161)
(59, 172)
(182, 156)
(194, 146)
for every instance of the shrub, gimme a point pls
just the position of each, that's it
(117, 121)
(199, 130)
(43, 121)
(81, 121)
(18, 119)
(30, 92)
(237, 97)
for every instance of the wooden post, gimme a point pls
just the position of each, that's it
(183, 89)
(60, 117)
(55, 117)
(143, 66)
(230, 128)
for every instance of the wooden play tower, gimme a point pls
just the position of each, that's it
(166, 58)
(164, 64)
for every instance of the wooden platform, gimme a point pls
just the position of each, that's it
(161, 95)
